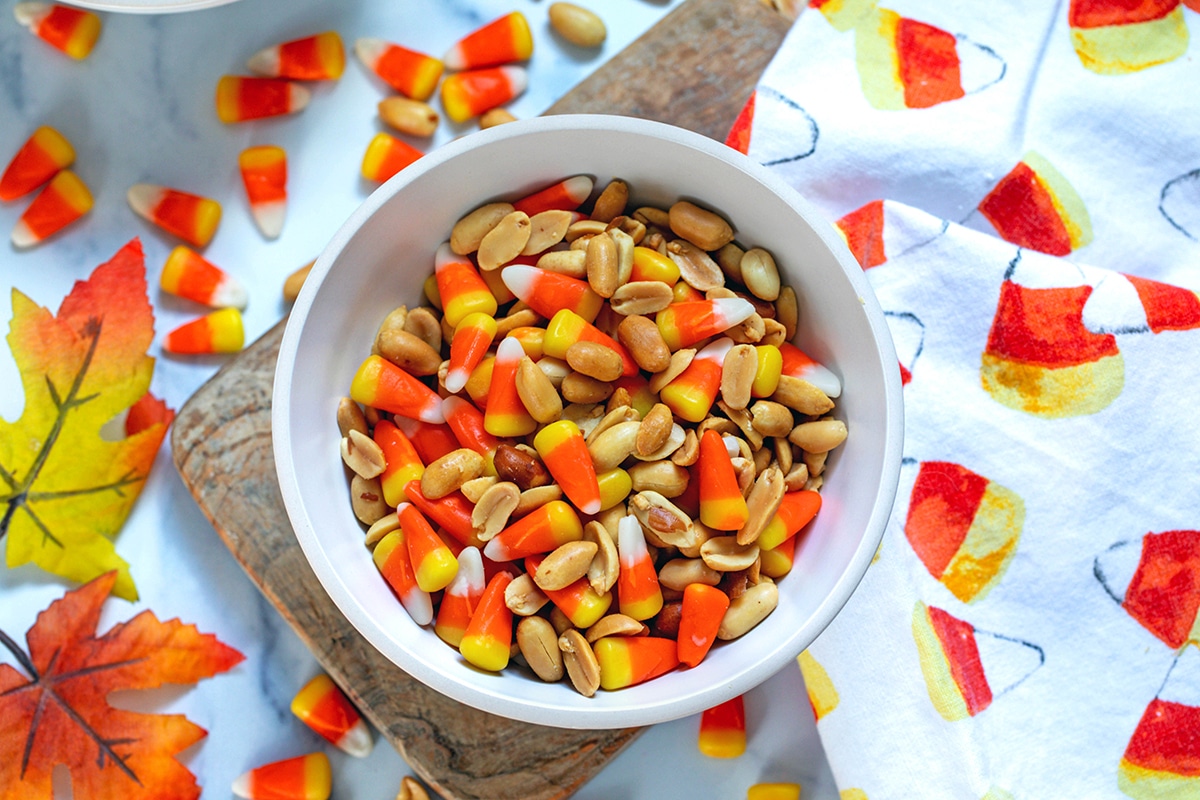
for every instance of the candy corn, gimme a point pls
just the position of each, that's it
(579, 601)
(461, 289)
(469, 427)
(799, 364)
(795, 511)
(691, 394)
(721, 503)
(461, 598)
(768, 370)
(472, 338)
(684, 324)
(321, 706)
(615, 486)
(264, 174)
(469, 94)
(637, 583)
(432, 562)
(300, 778)
(240, 98)
(723, 729)
(487, 641)
(778, 562)
(539, 531)
(480, 381)
(651, 265)
(501, 41)
(683, 293)
(385, 156)
(381, 384)
(412, 74)
(547, 292)
(320, 57)
(777, 791)
(188, 274)
(699, 620)
(565, 454)
(392, 560)
(566, 195)
(71, 30)
(63, 201)
(531, 338)
(630, 660)
(190, 217)
(403, 464)
(218, 332)
(43, 156)
(566, 328)
(452, 513)
(431, 441)
(506, 414)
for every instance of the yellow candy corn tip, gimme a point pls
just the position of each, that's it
(591, 608)
(225, 325)
(728, 514)
(643, 609)
(310, 694)
(770, 368)
(83, 38)
(553, 435)
(722, 744)
(436, 571)
(263, 155)
(375, 155)
(73, 190)
(616, 668)
(385, 546)
(54, 145)
(615, 486)
(688, 403)
(485, 652)
(510, 425)
(773, 535)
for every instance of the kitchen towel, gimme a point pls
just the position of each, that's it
(1021, 182)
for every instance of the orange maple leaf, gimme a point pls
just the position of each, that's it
(58, 713)
(73, 464)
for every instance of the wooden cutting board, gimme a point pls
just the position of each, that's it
(696, 69)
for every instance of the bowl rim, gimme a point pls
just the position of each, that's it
(536, 712)
(149, 7)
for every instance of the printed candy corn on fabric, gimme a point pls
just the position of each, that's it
(1021, 183)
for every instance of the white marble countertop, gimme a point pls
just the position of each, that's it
(140, 109)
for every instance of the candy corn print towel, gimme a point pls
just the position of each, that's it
(1021, 183)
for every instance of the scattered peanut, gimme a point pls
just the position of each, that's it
(577, 25)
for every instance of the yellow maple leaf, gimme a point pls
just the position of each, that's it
(66, 482)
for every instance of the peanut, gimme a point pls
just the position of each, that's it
(614, 625)
(380, 528)
(537, 392)
(411, 790)
(526, 471)
(537, 497)
(818, 437)
(669, 480)
(655, 428)
(614, 445)
(448, 473)
(701, 227)
(645, 343)
(787, 311)
(523, 597)
(605, 566)
(409, 352)
(566, 564)
(641, 297)
(468, 232)
(350, 417)
(538, 642)
(582, 666)
(729, 258)
(611, 202)
(695, 267)
(601, 261)
(680, 360)
(577, 25)
(748, 610)
(762, 503)
(421, 323)
(572, 263)
(679, 573)
(474, 489)
(579, 388)
(737, 375)
(295, 282)
(771, 419)
(802, 396)
(493, 509)
(504, 242)
(724, 554)
(760, 274)
(595, 361)
(653, 216)
(546, 230)
(689, 451)
(366, 498)
(495, 116)
(362, 455)
(408, 116)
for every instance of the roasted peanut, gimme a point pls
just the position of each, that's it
(537, 497)
(695, 267)
(493, 509)
(787, 310)
(662, 519)
(495, 116)
(366, 498)
(538, 641)
(448, 473)
(519, 467)
(408, 116)
(469, 231)
(669, 480)
(611, 202)
(350, 417)
(737, 375)
(295, 282)
(380, 528)
(772, 419)
(701, 227)
(577, 25)
(595, 361)
(614, 625)
(601, 262)
(680, 360)
(641, 297)
(729, 259)
(504, 242)
(411, 790)
(421, 323)
(474, 489)
(605, 566)
(555, 369)
(362, 455)
(763, 502)
(537, 392)
(724, 554)
(797, 477)
(760, 274)
(614, 445)
(579, 388)
(582, 666)
(751, 608)
(814, 461)
(546, 229)
(675, 440)
(689, 451)
(572, 263)
(666, 624)
(408, 352)
(645, 343)
(655, 428)
(802, 396)
(566, 564)
(818, 437)
(523, 596)
(679, 573)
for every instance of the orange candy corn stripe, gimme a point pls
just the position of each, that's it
(452, 513)
(322, 706)
(189, 275)
(240, 98)
(385, 156)
(432, 562)
(692, 393)
(700, 618)
(264, 174)
(432, 441)
(402, 462)
(566, 195)
(566, 328)
(460, 288)
(547, 292)
(467, 422)
(470, 344)
(62, 202)
(305, 777)
(43, 156)
(579, 601)
(461, 598)
(565, 454)
(501, 41)
(796, 510)
(684, 324)
(413, 74)
(71, 30)
(630, 660)
(392, 560)
(723, 729)
(190, 217)
(320, 57)
(721, 503)
(539, 531)
(218, 332)
(778, 562)
(506, 414)
(381, 384)
(637, 583)
(487, 641)
(469, 94)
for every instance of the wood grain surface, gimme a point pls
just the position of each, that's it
(694, 69)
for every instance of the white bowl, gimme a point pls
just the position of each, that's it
(149, 6)
(379, 259)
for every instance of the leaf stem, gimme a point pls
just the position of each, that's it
(19, 654)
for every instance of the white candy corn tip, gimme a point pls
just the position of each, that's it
(591, 507)
(229, 293)
(418, 605)
(734, 310)
(30, 14)
(731, 446)
(265, 62)
(631, 543)
(824, 379)
(496, 550)
(454, 58)
(269, 217)
(518, 78)
(579, 187)
(446, 256)
(298, 97)
(23, 236)
(144, 198)
(456, 380)
(368, 50)
(508, 351)
(717, 350)
(470, 578)
(243, 785)
(357, 741)
(519, 279)
(432, 413)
